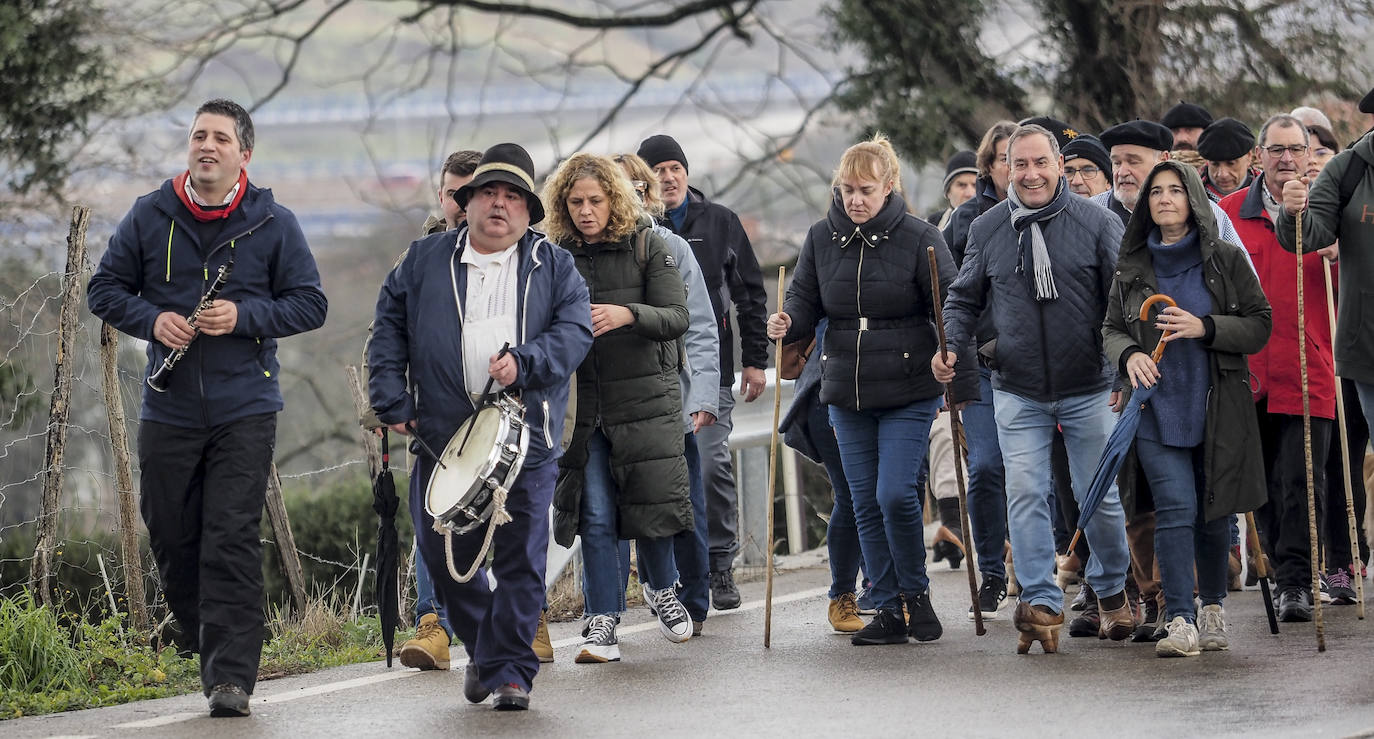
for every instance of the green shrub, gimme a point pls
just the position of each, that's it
(36, 653)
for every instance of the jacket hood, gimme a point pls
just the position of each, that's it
(874, 230)
(1141, 223)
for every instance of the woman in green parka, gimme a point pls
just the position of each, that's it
(1198, 441)
(623, 475)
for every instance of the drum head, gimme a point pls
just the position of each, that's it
(449, 486)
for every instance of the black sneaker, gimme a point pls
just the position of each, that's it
(1089, 621)
(1341, 587)
(228, 701)
(887, 627)
(1150, 623)
(1295, 604)
(724, 594)
(991, 596)
(924, 625)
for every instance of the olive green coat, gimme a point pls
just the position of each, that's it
(1233, 462)
(628, 387)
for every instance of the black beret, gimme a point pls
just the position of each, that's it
(1089, 147)
(1063, 132)
(1224, 140)
(1185, 115)
(960, 163)
(661, 148)
(1367, 104)
(1148, 134)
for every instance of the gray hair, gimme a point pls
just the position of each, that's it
(1310, 116)
(1032, 129)
(1283, 120)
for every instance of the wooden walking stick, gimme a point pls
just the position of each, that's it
(1307, 453)
(1345, 449)
(956, 428)
(772, 479)
(1261, 570)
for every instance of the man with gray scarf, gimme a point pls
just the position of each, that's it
(1043, 261)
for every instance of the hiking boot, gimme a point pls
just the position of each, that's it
(600, 644)
(1341, 587)
(864, 600)
(510, 697)
(1212, 629)
(887, 627)
(922, 623)
(673, 621)
(1295, 605)
(1180, 640)
(724, 594)
(948, 546)
(1234, 570)
(473, 689)
(1150, 622)
(543, 645)
(228, 701)
(991, 595)
(1089, 622)
(1037, 623)
(429, 649)
(844, 614)
(1116, 623)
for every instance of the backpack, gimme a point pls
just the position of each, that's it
(1351, 179)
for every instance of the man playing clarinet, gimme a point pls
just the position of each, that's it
(208, 420)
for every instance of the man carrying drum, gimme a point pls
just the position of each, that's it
(443, 316)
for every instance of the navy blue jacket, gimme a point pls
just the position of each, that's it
(155, 262)
(417, 331)
(1049, 350)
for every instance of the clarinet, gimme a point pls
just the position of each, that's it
(159, 379)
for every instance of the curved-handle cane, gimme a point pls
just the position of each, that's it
(1261, 570)
(956, 428)
(773, 479)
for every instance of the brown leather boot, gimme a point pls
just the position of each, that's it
(1118, 623)
(1035, 624)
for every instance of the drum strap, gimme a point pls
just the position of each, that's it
(499, 516)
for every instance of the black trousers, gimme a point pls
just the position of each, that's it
(1336, 525)
(202, 498)
(1283, 521)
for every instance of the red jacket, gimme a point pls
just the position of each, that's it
(1277, 375)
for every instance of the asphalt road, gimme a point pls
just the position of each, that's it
(814, 683)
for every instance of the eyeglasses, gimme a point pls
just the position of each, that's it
(640, 186)
(1277, 150)
(1088, 172)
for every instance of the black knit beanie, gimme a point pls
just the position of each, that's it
(661, 148)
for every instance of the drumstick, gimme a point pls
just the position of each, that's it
(415, 434)
(483, 400)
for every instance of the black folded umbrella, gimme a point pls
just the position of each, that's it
(385, 502)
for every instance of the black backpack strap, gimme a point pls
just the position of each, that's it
(1350, 179)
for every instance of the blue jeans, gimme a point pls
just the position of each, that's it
(1025, 428)
(882, 451)
(425, 600)
(841, 534)
(1366, 392)
(689, 547)
(603, 580)
(1182, 538)
(987, 500)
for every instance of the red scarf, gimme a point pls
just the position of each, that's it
(203, 214)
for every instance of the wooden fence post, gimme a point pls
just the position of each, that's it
(124, 481)
(59, 410)
(286, 542)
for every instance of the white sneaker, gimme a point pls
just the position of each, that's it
(673, 621)
(1212, 629)
(600, 644)
(1180, 640)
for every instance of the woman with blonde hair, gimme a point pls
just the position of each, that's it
(623, 475)
(864, 267)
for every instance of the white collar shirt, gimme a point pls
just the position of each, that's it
(490, 306)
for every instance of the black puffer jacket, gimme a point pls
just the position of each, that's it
(1045, 350)
(873, 282)
(628, 386)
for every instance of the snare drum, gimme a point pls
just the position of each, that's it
(460, 494)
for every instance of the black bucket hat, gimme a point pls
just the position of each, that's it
(508, 163)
